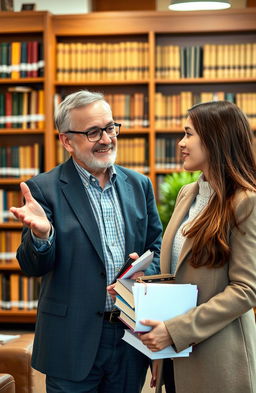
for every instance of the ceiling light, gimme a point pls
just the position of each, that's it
(190, 5)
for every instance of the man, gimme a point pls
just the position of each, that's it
(82, 220)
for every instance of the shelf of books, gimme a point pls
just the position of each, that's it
(22, 140)
(151, 66)
(152, 72)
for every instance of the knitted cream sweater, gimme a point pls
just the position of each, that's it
(199, 203)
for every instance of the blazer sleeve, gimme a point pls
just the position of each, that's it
(32, 261)
(238, 296)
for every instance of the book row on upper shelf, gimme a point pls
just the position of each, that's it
(18, 292)
(21, 59)
(207, 61)
(22, 107)
(124, 60)
(79, 61)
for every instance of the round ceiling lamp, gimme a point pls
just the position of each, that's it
(198, 5)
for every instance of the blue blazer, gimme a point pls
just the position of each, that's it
(73, 289)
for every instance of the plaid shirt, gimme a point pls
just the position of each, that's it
(108, 215)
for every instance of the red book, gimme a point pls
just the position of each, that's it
(34, 59)
(29, 59)
(8, 109)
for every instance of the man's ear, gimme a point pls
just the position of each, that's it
(65, 140)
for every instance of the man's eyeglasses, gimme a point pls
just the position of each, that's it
(95, 134)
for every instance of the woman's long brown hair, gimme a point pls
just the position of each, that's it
(226, 135)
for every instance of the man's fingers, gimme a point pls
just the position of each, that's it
(26, 192)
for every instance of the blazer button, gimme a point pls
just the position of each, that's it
(100, 313)
(103, 274)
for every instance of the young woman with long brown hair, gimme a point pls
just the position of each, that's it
(211, 242)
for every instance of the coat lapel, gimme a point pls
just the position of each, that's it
(181, 210)
(77, 198)
(127, 202)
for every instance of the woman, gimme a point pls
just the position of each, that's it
(211, 242)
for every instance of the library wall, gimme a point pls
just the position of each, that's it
(151, 66)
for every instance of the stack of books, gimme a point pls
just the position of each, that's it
(155, 298)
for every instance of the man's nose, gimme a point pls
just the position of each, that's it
(105, 138)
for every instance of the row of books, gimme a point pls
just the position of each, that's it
(207, 61)
(22, 107)
(21, 59)
(171, 110)
(168, 154)
(133, 153)
(9, 242)
(9, 198)
(174, 62)
(18, 292)
(20, 161)
(79, 61)
(229, 61)
(130, 61)
(131, 110)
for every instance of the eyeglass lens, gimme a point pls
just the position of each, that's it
(96, 134)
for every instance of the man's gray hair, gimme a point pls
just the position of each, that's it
(74, 101)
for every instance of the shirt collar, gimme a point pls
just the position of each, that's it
(87, 176)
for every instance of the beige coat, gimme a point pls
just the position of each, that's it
(222, 327)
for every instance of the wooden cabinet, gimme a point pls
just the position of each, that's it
(126, 55)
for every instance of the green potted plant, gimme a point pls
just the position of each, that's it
(169, 190)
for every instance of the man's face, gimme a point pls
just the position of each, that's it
(93, 156)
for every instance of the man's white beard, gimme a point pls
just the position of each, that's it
(95, 163)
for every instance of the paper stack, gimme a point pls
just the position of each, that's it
(153, 301)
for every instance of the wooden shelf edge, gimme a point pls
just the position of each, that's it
(19, 131)
(12, 267)
(10, 225)
(18, 316)
(9, 180)
(101, 82)
(204, 80)
(21, 80)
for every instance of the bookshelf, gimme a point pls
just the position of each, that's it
(24, 84)
(126, 56)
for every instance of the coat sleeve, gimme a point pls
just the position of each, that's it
(236, 298)
(32, 261)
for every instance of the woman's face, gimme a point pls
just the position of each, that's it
(194, 154)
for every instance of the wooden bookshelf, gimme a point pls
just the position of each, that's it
(153, 28)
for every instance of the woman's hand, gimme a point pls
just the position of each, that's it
(154, 371)
(158, 338)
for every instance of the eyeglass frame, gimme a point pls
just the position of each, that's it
(101, 131)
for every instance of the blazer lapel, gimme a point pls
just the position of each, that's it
(181, 210)
(127, 202)
(77, 198)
